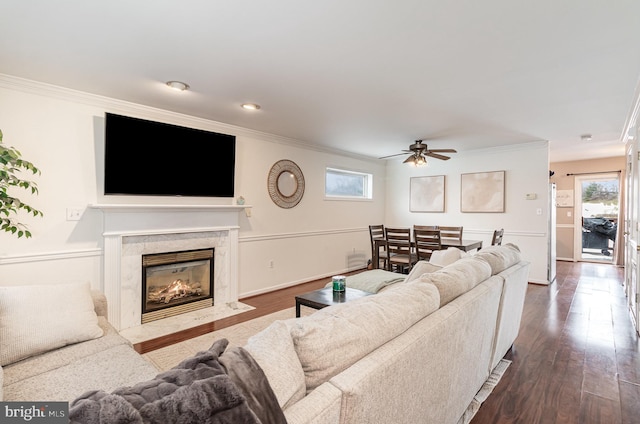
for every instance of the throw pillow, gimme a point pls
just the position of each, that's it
(458, 278)
(39, 318)
(500, 257)
(420, 268)
(446, 257)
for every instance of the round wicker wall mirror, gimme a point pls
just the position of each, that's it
(285, 184)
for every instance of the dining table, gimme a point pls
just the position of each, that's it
(465, 245)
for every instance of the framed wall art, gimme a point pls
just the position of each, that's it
(482, 192)
(564, 198)
(427, 194)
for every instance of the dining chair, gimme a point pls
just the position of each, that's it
(497, 237)
(378, 242)
(427, 241)
(400, 253)
(425, 227)
(451, 232)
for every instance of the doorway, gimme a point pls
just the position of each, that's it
(597, 215)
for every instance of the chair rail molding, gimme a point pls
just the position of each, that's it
(50, 256)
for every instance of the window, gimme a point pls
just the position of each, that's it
(344, 184)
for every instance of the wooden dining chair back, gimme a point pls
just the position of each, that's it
(451, 233)
(497, 237)
(378, 242)
(427, 241)
(400, 253)
(425, 227)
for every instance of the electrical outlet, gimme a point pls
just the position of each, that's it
(271, 263)
(74, 214)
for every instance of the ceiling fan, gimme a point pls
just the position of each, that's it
(419, 151)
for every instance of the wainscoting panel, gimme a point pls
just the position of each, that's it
(68, 266)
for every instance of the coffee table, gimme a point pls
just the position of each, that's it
(324, 297)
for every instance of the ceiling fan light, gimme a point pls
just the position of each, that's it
(416, 160)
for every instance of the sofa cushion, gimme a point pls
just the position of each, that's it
(447, 256)
(500, 257)
(273, 350)
(335, 337)
(421, 267)
(39, 318)
(108, 369)
(43, 363)
(457, 278)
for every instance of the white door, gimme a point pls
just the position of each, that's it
(632, 230)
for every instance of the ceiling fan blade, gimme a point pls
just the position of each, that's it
(443, 150)
(437, 156)
(390, 156)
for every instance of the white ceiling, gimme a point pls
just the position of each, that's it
(364, 76)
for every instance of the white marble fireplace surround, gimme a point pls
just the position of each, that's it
(133, 230)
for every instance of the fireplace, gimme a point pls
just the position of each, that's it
(132, 230)
(174, 283)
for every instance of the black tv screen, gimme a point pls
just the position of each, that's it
(156, 159)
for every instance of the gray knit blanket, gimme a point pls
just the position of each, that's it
(212, 387)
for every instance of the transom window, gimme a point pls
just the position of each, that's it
(347, 184)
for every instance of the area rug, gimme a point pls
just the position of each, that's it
(168, 357)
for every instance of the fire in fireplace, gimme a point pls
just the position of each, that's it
(176, 282)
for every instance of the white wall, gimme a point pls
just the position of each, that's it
(527, 171)
(61, 132)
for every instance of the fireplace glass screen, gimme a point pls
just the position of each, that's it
(176, 282)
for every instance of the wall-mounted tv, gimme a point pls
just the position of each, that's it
(156, 159)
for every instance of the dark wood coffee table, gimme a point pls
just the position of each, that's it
(324, 297)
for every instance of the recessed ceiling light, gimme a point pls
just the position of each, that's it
(178, 85)
(250, 106)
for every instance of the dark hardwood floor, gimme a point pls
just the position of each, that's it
(577, 356)
(576, 359)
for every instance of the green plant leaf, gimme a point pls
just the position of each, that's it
(11, 164)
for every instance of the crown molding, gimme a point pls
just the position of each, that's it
(147, 112)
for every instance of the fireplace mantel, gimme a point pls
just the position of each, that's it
(130, 230)
(113, 207)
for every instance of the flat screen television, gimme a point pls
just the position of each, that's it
(150, 158)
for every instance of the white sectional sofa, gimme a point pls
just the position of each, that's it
(417, 352)
(41, 363)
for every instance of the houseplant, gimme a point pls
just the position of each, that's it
(11, 165)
